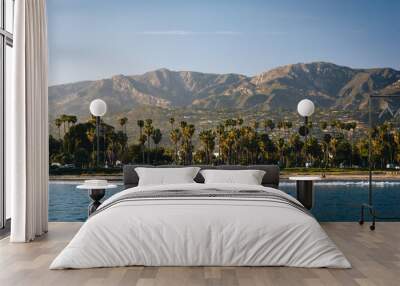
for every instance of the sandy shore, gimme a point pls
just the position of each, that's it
(384, 176)
(387, 176)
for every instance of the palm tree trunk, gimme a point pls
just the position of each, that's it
(148, 150)
(141, 145)
(219, 148)
(156, 155)
(176, 153)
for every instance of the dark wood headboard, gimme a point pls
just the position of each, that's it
(270, 179)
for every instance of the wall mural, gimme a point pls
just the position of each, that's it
(219, 82)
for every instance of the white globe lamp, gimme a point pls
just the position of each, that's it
(98, 107)
(305, 108)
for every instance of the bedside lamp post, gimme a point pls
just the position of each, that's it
(98, 108)
(305, 108)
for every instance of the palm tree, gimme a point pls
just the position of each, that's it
(172, 122)
(58, 123)
(229, 123)
(281, 127)
(207, 138)
(187, 134)
(64, 120)
(326, 142)
(148, 130)
(396, 139)
(140, 123)
(333, 147)
(220, 133)
(265, 125)
(122, 122)
(281, 148)
(142, 140)
(350, 127)
(296, 145)
(288, 125)
(229, 142)
(313, 149)
(323, 125)
(73, 119)
(239, 143)
(91, 136)
(335, 125)
(92, 120)
(183, 124)
(175, 137)
(156, 136)
(67, 119)
(252, 144)
(70, 119)
(270, 124)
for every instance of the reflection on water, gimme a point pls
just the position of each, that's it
(334, 200)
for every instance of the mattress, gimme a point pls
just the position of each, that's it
(201, 225)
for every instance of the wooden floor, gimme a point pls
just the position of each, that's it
(375, 257)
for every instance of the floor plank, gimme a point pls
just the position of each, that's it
(375, 257)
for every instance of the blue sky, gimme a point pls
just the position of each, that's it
(92, 39)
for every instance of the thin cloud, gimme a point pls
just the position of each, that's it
(229, 33)
(271, 33)
(166, 33)
(207, 33)
(188, 33)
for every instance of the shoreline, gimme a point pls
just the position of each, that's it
(336, 176)
(284, 176)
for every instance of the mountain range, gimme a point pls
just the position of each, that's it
(327, 84)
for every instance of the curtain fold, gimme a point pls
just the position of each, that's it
(27, 124)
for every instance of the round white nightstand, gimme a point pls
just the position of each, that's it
(96, 193)
(305, 189)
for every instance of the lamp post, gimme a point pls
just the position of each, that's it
(305, 108)
(98, 108)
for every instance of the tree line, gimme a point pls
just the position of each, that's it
(329, 144)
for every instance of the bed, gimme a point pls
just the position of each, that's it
(197, 224)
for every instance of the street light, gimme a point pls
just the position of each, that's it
(98, 108)
(305, 108)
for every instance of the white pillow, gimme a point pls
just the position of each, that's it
(166, 176)
(248, 177)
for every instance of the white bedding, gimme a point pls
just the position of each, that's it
(193, 231)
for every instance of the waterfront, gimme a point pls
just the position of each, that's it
(334, 200)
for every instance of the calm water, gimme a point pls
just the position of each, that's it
(334, 201)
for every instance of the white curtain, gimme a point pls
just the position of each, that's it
(27, 124)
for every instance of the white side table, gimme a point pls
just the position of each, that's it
(305, 189)
(96, 193)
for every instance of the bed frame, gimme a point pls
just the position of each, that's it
(270, 179)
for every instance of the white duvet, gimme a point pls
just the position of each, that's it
(212, 231)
